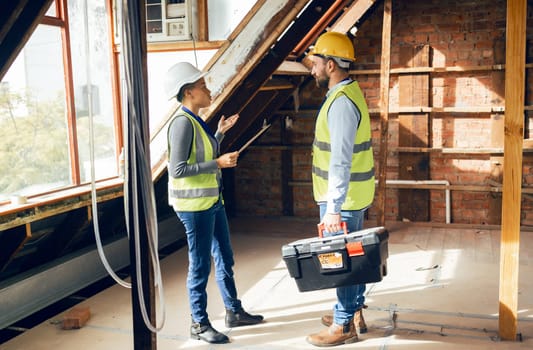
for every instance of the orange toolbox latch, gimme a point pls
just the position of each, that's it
(355, 248)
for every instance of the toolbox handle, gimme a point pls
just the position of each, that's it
(321, 228)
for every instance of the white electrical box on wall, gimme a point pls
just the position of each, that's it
(168, 20)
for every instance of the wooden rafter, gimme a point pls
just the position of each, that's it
(352, 15)
(317, 29)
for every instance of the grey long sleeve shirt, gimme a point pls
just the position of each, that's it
(180, 137)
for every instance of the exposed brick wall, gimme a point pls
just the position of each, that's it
(258, 184)
(459, 33)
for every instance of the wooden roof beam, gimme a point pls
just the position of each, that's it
(292, 68)
(320, 25)
(352, 15)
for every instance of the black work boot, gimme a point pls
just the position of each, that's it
(241, 318)
(205, 332)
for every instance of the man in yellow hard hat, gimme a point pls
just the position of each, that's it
(342, 171)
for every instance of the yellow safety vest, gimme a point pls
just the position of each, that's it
(362, 183)
(198, 192)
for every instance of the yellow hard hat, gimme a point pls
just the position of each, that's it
(334, 44)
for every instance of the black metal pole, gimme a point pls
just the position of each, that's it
(137, 126)
(144, 338)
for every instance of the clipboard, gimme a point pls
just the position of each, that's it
(259, 133)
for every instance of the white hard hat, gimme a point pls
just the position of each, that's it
(181, 74)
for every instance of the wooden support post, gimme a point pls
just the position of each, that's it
(384, 111)
(512, 166)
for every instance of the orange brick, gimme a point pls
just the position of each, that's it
(76, 317)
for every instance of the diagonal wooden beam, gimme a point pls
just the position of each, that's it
(319, 27)
(352, 14)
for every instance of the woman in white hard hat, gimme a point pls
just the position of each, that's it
(195, 192)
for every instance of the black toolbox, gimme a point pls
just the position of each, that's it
(329, 262)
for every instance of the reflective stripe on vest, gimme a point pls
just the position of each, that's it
(198, 192)
(362, 183)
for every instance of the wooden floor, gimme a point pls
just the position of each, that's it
(441, 292)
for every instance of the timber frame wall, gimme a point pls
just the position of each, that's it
(446, 119)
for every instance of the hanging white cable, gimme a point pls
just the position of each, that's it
(194, 51)
(151, 230)
(144, 174)
(96, 225)
(126, 152)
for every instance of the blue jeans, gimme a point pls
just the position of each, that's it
(349, 298)
(208, 235)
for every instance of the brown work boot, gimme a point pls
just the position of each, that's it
(358, 320)
(335, 334)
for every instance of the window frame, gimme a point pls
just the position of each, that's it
(30, 211)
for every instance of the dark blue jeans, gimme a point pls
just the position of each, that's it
(350, 298)
(208, 235)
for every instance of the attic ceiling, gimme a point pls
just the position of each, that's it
(252, 92)
(275, 52)
(245, 89)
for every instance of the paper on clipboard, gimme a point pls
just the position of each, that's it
(259, 133)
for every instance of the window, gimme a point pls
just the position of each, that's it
(49, 95)
(90, 53)
(33, 128)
